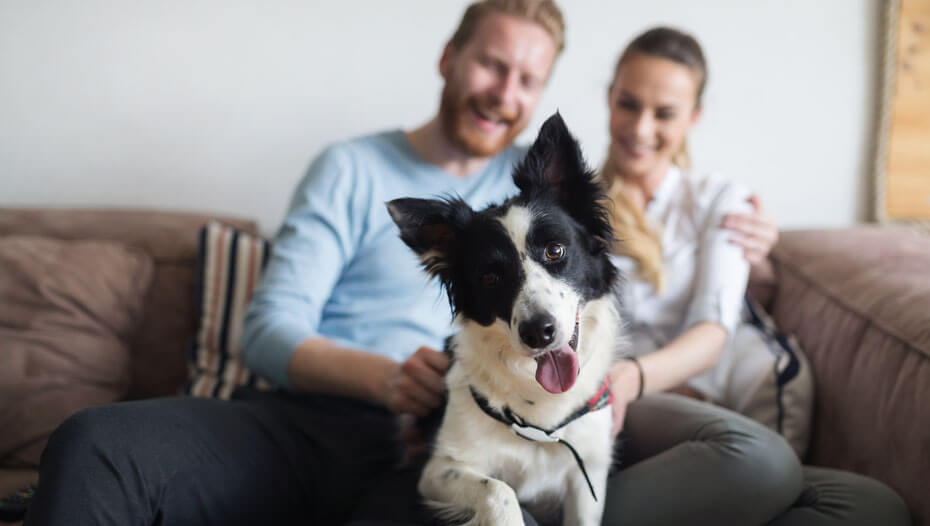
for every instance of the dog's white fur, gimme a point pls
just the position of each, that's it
(480, 471)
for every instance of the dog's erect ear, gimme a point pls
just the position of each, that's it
(553, 159)
(555, 164)
(430, 227)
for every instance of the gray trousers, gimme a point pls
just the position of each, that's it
(688, 462)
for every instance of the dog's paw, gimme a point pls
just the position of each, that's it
(500, 506)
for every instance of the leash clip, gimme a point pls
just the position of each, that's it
(532, 433)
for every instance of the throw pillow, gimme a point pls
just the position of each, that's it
(763, 374)
(771, 380)
(230, 267)
(68, 311)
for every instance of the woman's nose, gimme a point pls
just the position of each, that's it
(644, 125)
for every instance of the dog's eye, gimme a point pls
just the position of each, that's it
(554, 251)
(490, 279)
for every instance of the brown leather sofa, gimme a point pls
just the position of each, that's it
(857, 299)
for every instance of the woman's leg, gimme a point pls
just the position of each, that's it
(833, 497)
(688, 462)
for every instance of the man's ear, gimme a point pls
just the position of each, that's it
(430, 227)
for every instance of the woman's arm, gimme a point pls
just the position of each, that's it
(691, 353)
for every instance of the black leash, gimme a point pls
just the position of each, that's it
(527, 431)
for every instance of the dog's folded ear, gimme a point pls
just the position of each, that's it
(430, 227)
(555, 166)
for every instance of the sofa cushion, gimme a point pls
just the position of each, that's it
(158, 365)
(68, 310)
(230, 267)
(858, 300)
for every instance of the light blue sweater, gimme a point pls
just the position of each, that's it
(338, 268)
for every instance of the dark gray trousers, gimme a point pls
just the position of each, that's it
(278, 458)
(688, 462)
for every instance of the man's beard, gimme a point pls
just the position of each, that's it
(453, 110)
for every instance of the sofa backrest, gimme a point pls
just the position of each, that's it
(159, 349)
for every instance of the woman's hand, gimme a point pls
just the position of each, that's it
(417, 385)
(755, 232)
(624, 386)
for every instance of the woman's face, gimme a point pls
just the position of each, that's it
(653, 106)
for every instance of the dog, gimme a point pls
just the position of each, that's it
(532, 292)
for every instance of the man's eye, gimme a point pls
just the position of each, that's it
(490, 279)
(554, 251)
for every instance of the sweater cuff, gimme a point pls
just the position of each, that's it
(713, 308)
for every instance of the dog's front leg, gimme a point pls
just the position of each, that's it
(460, 492)
(580, 508)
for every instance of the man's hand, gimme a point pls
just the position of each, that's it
(624, 385)
(415, 386)
(756, 232)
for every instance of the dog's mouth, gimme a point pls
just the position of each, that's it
(557, 369)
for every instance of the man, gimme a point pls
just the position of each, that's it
(344, 321)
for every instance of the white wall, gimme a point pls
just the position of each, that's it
(218, 105)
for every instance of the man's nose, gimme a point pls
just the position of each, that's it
(507, 89)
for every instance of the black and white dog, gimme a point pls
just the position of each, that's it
(532, 290)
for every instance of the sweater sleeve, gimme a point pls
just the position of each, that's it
(722, 271)
(315, 242)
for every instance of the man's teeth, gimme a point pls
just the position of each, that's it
(490, 117)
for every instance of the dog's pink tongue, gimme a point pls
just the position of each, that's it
(557, 370)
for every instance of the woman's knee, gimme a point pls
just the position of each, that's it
(833, 496)
(758, 461)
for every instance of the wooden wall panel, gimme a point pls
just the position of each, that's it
(908, 164)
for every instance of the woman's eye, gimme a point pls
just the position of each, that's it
(490, 279)
(628, 105)
(554, 251)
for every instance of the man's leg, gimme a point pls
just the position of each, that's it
(688, 462)
(268, 458)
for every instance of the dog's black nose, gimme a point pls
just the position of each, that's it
(538, 331)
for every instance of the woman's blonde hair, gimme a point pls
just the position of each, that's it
(636, 238)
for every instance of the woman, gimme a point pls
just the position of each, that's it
(683, 461)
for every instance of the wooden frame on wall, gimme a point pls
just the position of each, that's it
(901, 174)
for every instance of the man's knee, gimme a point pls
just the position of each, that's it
(85, 433)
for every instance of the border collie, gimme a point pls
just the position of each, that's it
(532, 291)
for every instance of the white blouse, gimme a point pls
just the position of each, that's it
(705, 274)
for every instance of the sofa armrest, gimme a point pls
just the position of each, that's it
(858, 301)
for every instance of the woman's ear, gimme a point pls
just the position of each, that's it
(695, 116)
(446, 60)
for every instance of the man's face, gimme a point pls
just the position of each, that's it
(493, 83)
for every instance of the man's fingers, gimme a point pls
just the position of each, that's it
(413, 389)
(424, 375)
(755, 257)
(405, 404)
(748, 243)
(433, 358)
